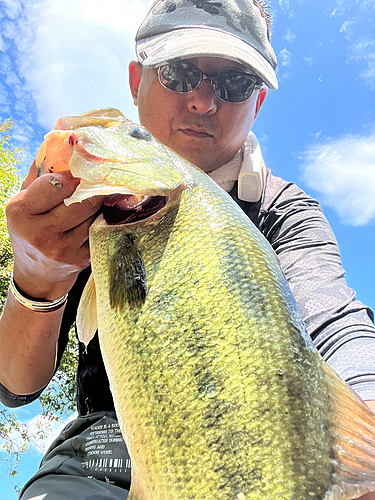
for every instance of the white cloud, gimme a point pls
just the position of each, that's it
(4, 96)
(343, 171)
(285, 57)
(316, 135)
(308, 60)
(24, 137)
(284, 4)
(364, 4)
(73, 54)
(339, 9)
(346, 29)
(289, 37)
(12, 8)
(364, 50)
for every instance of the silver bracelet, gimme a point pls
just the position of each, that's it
(34, 305)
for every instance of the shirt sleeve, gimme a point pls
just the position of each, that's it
(340, 326)
(12, 400)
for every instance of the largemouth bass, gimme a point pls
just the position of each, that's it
(219, 391)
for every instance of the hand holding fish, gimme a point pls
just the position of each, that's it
(50, 240)
(50, 247)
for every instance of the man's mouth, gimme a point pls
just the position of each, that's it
(196, 133)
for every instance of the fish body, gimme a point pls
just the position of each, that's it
(218, 388)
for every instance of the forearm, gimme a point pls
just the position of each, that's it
(28, 345)
(350, 352)
(340, 326)
(50, 248)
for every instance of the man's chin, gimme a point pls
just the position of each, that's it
(204, 164)
(205, 160)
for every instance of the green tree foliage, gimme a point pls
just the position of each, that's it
(56, 402)
(10, 181)
(58, 399)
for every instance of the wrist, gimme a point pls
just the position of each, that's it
(35, 305)
(41, 288)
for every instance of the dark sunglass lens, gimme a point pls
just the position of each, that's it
(180, 76)
(234, 86)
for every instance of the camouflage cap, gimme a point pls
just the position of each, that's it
(232, 29)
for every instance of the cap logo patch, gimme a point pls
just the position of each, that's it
(142, 56)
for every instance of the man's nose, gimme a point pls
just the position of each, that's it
(202, 100)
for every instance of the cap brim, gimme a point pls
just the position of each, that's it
(186, 43)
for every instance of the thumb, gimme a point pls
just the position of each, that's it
(30, 178)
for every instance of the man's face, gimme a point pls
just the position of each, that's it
(197, 125)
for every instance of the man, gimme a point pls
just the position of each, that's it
(198, 87)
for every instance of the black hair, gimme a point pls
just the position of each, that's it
(266, 13)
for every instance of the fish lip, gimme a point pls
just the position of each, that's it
(86, 190)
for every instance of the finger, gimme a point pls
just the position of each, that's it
(31, 176)
(63, 219)
(70, 247)
(83, 255)
(39, 210)
(45, 193)
(78, 235)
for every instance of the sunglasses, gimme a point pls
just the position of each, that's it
(228, 86)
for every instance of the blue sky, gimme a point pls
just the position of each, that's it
(61, 57)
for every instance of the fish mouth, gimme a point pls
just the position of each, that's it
(125, 209)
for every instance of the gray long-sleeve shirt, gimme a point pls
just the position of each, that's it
(341, 327)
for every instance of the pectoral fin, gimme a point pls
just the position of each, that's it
(87, 320)
(127, 276)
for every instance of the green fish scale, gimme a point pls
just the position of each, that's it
(201, 373)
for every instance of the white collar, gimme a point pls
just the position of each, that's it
(248, 161)
(227, 174)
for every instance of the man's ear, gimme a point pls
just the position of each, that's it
(135, 74)
(261, 97)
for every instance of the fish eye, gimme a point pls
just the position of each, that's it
(140, 133)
